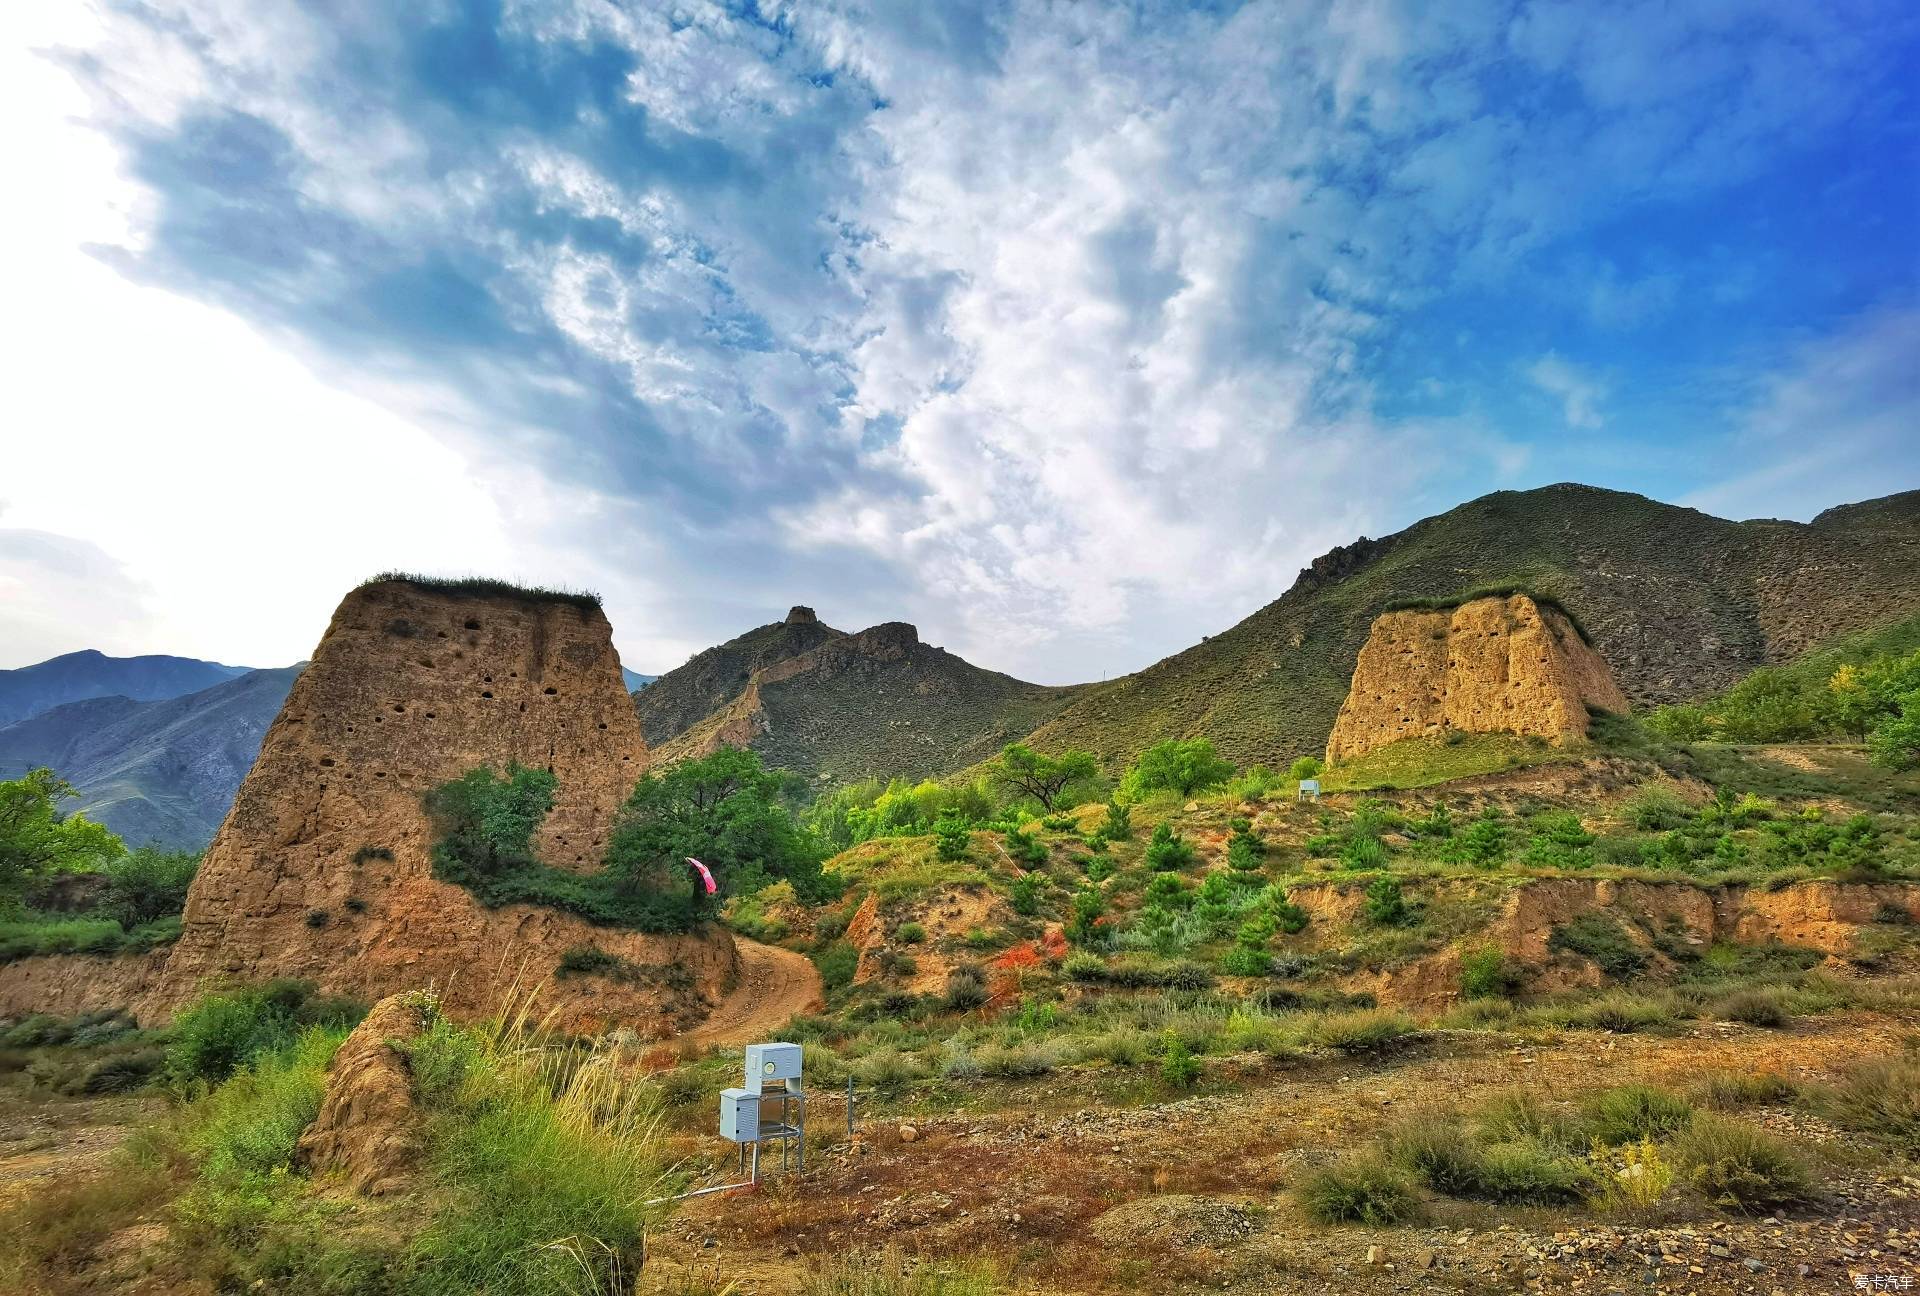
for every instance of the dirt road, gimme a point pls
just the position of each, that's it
(774, 986)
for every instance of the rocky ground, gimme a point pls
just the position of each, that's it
(1189, 1195)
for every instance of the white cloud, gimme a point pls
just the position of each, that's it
(1066, 350)
(1578, 392)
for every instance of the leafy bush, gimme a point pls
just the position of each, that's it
(147, 884)
(837, 964)
(1658, 809)
(1364, 852)
(1306, 767)
(1245, 851)
(910, 933)
(1634, 1112)
(1244, 961)
(1026, 892)
(1359, 1190)
(222, 1032)
(1118, 825)
(1739, 1167)
(952, 836)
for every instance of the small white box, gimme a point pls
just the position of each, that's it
(739, 1116)
(772, 1065)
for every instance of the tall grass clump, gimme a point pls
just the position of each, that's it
(1741, 1168)
(1358, 1190)
(1882, 1098)
(1633, 1112)
(548, 1156)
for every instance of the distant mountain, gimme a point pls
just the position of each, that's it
(153, 771)
(635, 680)
(29, 690)
(837, 707)
(1679, 603)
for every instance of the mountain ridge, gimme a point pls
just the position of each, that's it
(26, 691)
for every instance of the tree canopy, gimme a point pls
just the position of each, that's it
(1183, 767)
(726, 810)
(1044, 778)
(38, 841)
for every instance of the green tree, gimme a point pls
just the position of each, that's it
(1119, 824)
(1044, 778)
(1386, 905)
(1893, 734)
(37, 841)
(149, 883)
(1184, 767)
(487, 821)
(1245, 850)
(727, 811)
(1305, 768)
(1166, 852)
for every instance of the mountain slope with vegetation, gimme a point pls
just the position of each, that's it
(153, 771)
(1680, 604)
(836, 708)
(77, 676)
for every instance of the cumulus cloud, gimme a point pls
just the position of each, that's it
(1061, 330)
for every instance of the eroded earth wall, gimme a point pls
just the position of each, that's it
(322, 869)
(1494, 665)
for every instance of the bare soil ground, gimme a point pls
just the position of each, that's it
(1066, 1194)
(773, 987)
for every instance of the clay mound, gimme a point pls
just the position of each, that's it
(1493, 665)
(368, 1128)
(322, 869)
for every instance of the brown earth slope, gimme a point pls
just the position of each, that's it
(1492, 665)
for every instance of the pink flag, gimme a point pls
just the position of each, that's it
(705, 876)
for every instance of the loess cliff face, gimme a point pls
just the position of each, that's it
(1495, 665)
(322, 868)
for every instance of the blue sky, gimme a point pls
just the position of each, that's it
(1070, 332)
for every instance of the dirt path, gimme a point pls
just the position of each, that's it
(774, 986)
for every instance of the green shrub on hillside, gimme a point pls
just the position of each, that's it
(1118, 825)
(219, 1033)
(1386, 905)
(1741, 1168)
(1488, 974)
(1598, 937)
(1167, 852)
(952, 837)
